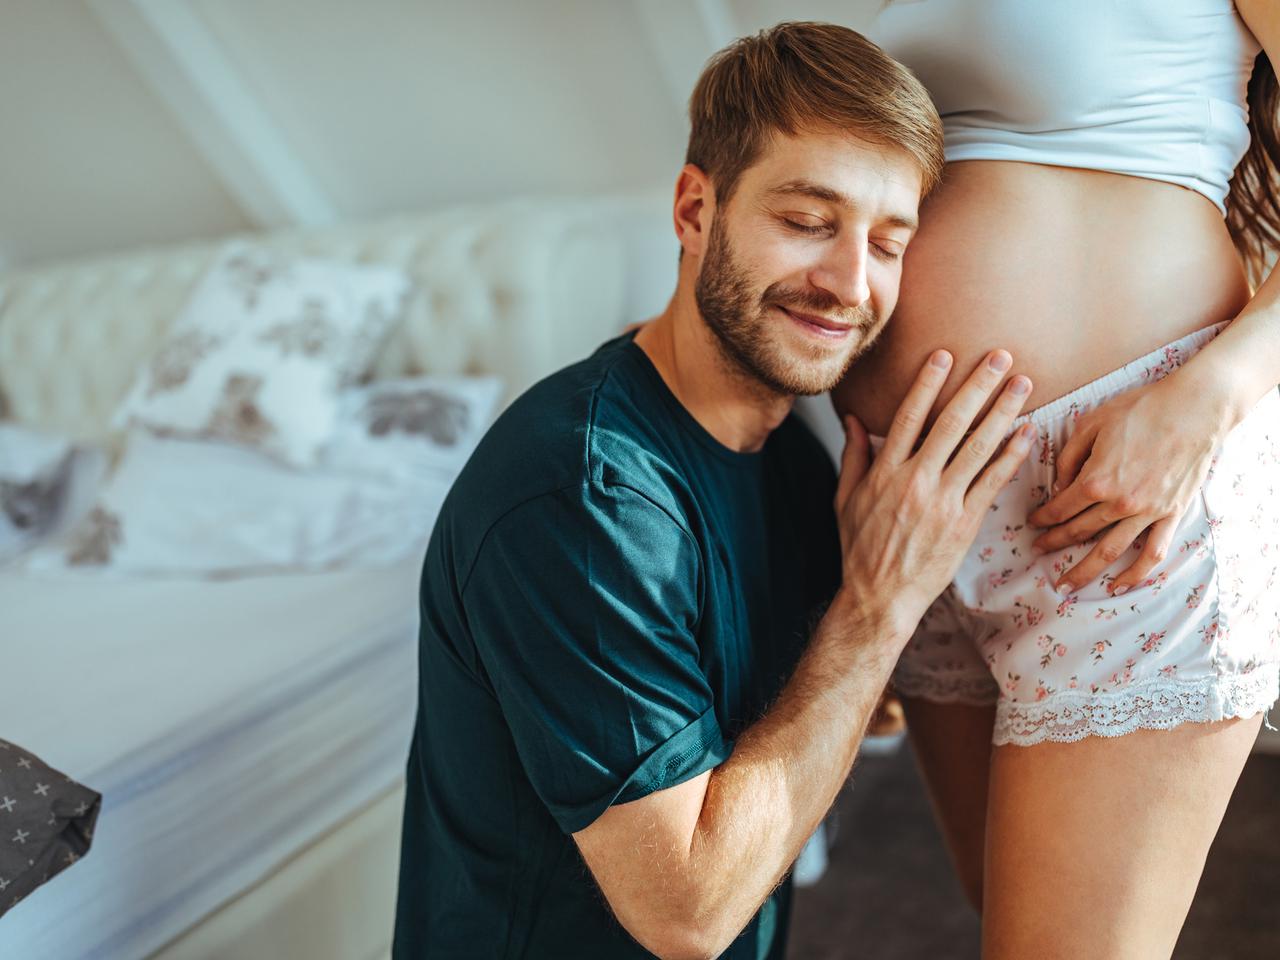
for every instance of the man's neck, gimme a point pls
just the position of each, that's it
(737, 410)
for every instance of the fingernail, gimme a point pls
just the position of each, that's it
(1065, 588)
(1020, 386)
(1120, 590)
(1000, 361)
(941, 359)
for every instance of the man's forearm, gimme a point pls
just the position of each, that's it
(786, 769)
(686, 866)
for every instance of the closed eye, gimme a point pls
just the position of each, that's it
(885, 253)
(804, 227)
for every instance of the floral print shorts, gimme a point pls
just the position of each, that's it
(1199, 640)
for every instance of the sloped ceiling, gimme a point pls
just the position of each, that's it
(140, 122)
(89, 157)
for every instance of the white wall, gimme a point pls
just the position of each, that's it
(89, 158)
(131, 122)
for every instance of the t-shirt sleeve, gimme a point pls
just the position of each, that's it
(583, 605)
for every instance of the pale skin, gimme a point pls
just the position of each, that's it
(1103, 487)
(1092, 848)
(685, 868)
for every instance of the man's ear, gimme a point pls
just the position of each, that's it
(694, 207)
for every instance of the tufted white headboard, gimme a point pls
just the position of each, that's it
(516, 288)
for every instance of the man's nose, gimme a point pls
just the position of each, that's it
(843, 271)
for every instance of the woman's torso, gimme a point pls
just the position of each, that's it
(1074, 271)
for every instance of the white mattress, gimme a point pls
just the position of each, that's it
(226, 723)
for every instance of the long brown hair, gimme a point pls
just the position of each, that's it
(1253, 203)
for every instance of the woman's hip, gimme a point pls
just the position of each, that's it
(1196, 640)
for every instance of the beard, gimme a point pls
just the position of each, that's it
(750, 338)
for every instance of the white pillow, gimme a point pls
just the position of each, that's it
(412, 426)
(44, 482)
(200, 508)
(259, 353)
(192, 507)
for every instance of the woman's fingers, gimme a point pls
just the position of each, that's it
(1079, 528)
(982, 443)
(1109, 548)
(1073, 454)
(954, 420)
(914, 409)
(1075, 499)
(1159, 539)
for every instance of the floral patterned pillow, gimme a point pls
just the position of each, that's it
(44, 482)
(262, 349)
(412, 427)
(33, 468)
(189, 508)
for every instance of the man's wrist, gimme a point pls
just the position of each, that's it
(877, 621)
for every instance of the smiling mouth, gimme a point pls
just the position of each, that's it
(819, 324)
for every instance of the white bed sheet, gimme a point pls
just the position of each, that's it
(226, 723)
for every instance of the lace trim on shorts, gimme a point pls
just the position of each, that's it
(972, 690)
(1156, 704)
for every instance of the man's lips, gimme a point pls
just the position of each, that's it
(816, 320)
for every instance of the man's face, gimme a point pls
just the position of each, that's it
(801, 270)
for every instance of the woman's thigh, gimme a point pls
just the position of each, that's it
(952, 745)
(1094, 848)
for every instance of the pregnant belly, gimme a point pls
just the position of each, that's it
(1073, 272)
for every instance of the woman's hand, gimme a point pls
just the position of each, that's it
(1133, 464)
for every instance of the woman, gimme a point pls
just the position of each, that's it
(1113, 631)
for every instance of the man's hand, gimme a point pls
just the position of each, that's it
(907, 519)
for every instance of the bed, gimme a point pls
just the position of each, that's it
(249, 735)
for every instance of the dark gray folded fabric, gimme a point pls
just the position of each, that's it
(46, 822)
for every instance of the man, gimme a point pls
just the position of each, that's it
(628, 721)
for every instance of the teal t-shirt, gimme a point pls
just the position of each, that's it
(609, 597)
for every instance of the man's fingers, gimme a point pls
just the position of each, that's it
(982, 443)
(855, 459)
(915, 407)
(951, 425)
(993, 479)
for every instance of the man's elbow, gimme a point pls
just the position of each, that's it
(683, 945)
(684, 939)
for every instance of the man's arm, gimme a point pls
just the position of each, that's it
(685, 868)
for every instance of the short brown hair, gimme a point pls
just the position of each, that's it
(806, 77)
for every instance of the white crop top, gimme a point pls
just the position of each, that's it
(1149, 88)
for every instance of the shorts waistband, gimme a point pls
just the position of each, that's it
(1109, 384)
(1121, 378)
